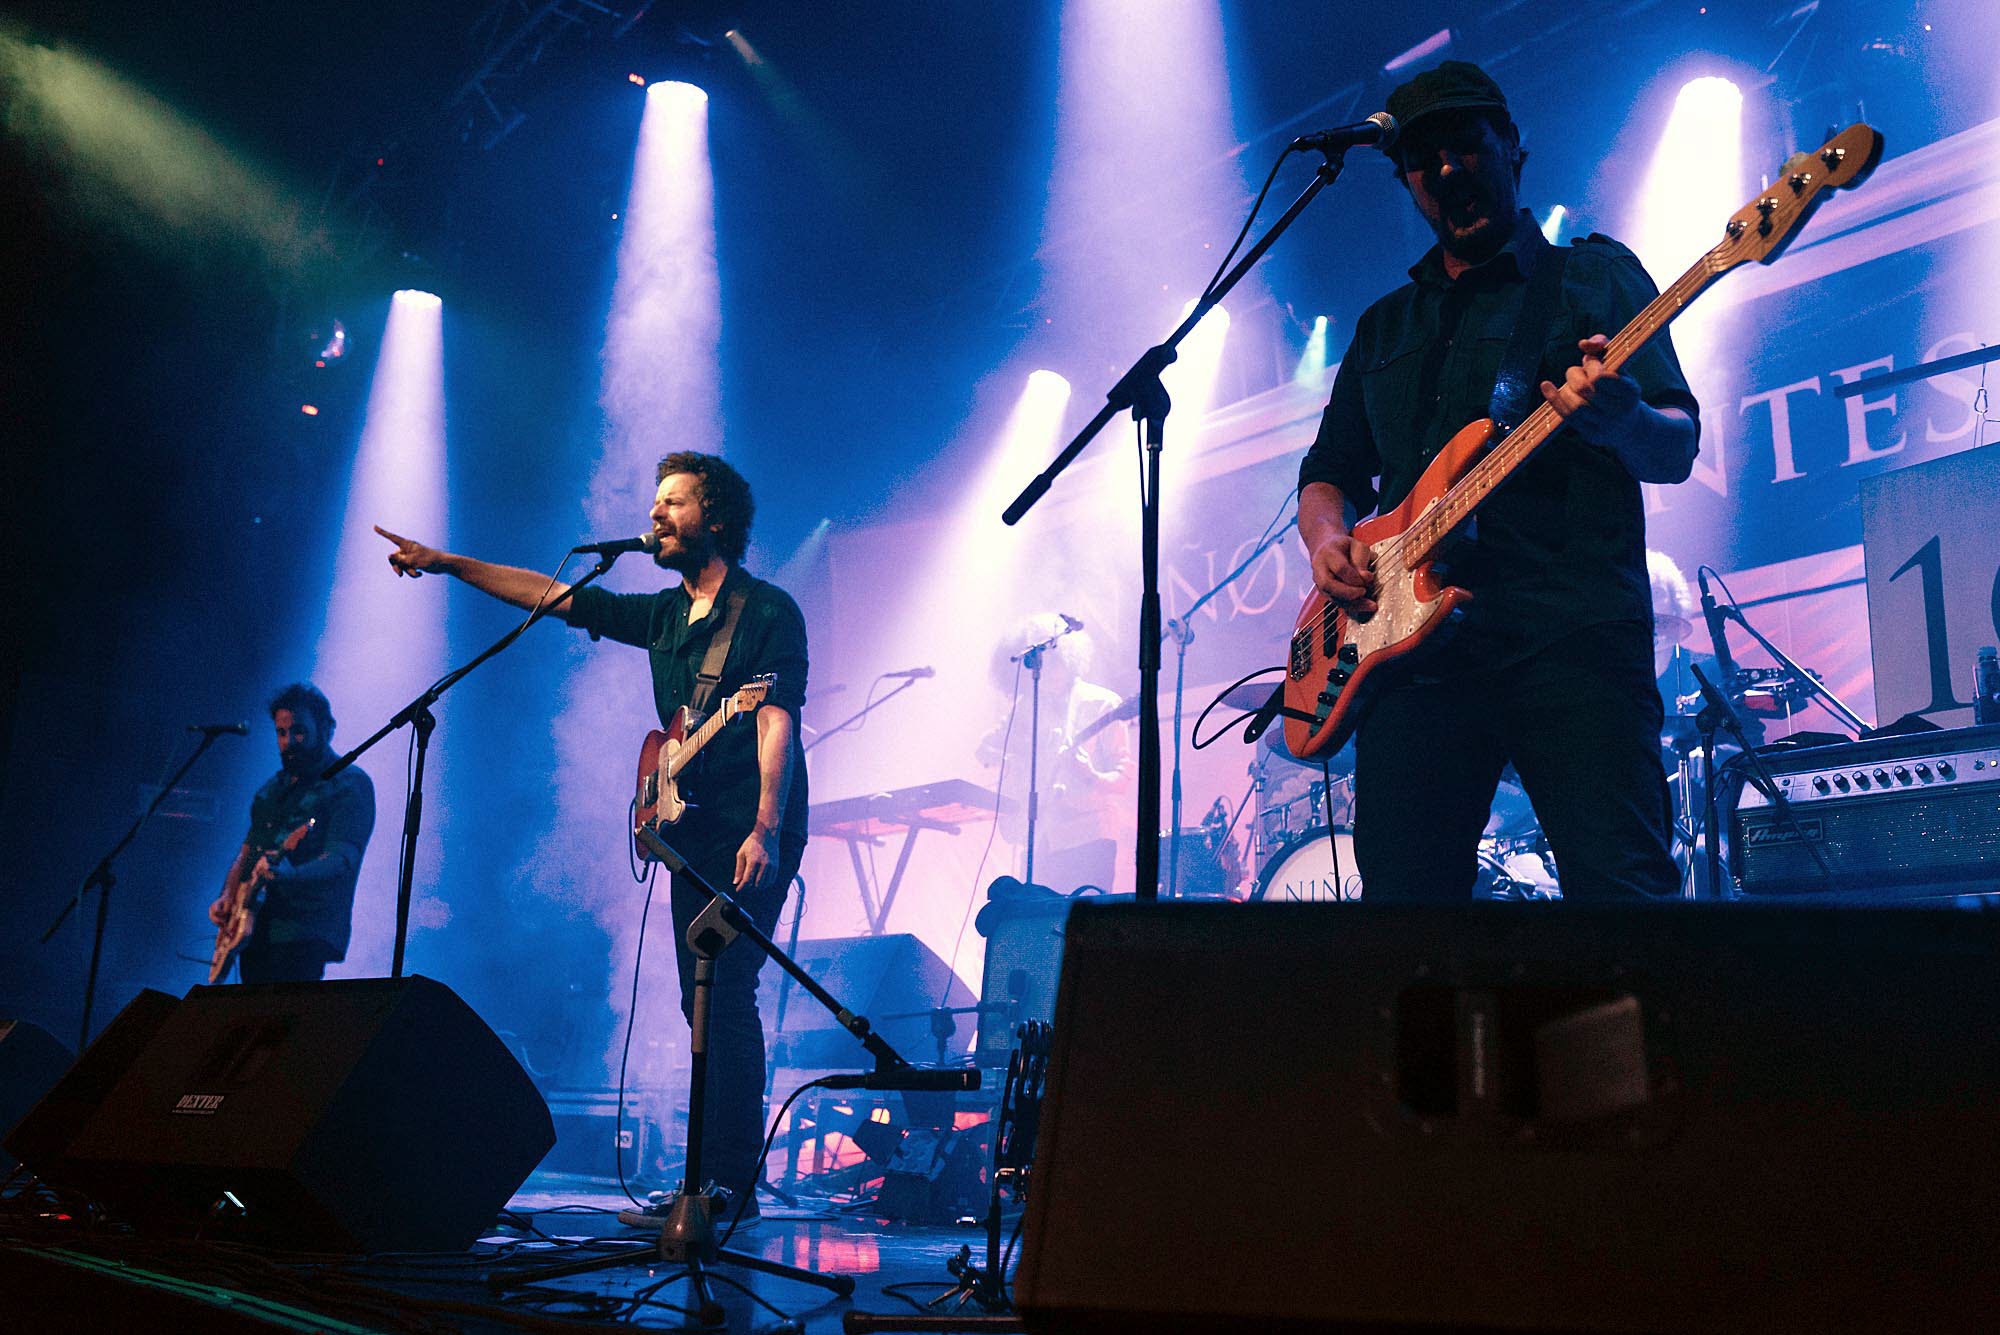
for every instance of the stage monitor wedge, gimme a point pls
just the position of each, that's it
(358, 1115)
(1666, 1117)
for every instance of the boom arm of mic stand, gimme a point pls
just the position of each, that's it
(862, 713)
(1834, 704)
(100, 875)
(1120, 399)
(418, 714)
(421, 705)
(855, 1023)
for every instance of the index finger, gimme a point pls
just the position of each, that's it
(396, 538)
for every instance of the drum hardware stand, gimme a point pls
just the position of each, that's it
(1140, 392)
(1015, 1124)
(103, 878)
(689, 1234)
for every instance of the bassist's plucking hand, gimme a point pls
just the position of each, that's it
(1343, 570)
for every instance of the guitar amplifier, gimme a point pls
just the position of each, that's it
(1897, 817)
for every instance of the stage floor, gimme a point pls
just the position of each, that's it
(55, 1277)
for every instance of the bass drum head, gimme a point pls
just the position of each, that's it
(1303, 869)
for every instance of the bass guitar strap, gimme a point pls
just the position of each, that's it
(709, 676)
(1516, 390)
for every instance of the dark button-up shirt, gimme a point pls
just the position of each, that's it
(770, 637)
(1561, 545)
(311, 894)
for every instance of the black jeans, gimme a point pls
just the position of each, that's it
(1580, 720)
(735, 1103)
(284, 962)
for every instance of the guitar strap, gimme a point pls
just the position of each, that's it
(710, 674)
(1516, 390)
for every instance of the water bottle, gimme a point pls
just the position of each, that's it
(1986, 687)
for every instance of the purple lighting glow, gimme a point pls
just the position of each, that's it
(660, 393)
(384, 639)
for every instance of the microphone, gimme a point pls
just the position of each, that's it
(1379, 130)
(908, 1077)
(1718, 626)
(914, 674)
(217, 729)
(648, 543)
(1070, 624)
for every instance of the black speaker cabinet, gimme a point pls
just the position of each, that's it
(42, 1137)
(31, 1061)
(355, 1115)
(1556, 1118)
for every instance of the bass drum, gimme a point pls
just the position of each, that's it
(1303, 869)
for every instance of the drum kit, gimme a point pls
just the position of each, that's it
(1302, 840)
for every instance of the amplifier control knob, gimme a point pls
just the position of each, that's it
(1882, 777)
(1840, 782)
(1945, 770)
(1923, 772)
(1902, 774)
(1819, 783)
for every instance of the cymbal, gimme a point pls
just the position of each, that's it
(1670, 629)
(1251, 695)
(1340, 763)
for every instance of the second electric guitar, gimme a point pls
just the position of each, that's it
(665, 754)
(1338, 662)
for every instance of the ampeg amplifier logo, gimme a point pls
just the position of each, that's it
(199, 1105)
(1783, 832)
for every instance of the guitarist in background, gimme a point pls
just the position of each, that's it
(1552, 668)
(308, 903)
(747, 829)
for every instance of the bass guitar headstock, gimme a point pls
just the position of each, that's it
(1761, 229)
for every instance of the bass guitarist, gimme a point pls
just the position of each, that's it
(305, 905)
(1551, 668)
(747, 828)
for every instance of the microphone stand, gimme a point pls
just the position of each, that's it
(103, 878)
(417, 714)
(1717, 712)
(1141, 393)
(1816, 689)
(1031, 658)
(1182, 629)
(862, 713)
(689, 1237)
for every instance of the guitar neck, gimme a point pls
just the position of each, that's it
(1470, 492)
(697, 739)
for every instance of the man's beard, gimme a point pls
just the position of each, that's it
(302, 763)
(687, 560)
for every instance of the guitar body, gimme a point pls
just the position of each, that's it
(665, 753)
(1338, 663)
(660, 800)
(243, 896)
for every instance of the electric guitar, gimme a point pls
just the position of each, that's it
(242, 896)
(1338, 662)
(664, 754)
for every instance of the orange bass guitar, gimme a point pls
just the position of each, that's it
(1338, 663)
